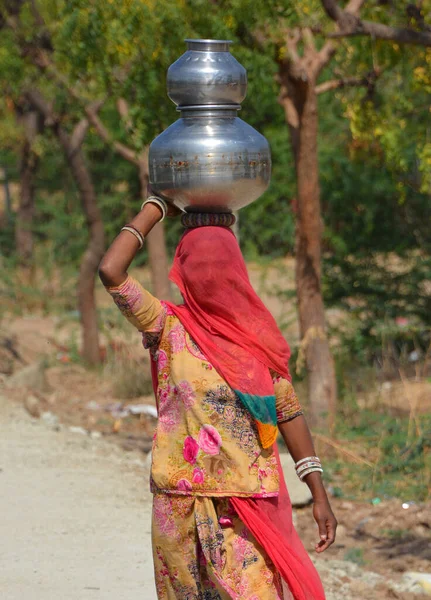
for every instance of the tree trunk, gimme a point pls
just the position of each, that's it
(29, 162)
(93, 253)
(72, 148)
(314, 344)
(156, 244)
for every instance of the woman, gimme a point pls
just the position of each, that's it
(222, 522)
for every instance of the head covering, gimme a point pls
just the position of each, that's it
(229, 322)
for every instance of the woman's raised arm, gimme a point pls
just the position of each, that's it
(114, 265)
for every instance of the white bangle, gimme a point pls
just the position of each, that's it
(307, 465)
(138, 235)
(306, 459)
(159, 202)
(308, 471)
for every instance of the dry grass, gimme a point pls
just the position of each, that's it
(130, 374)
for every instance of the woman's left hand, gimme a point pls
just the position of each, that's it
(326, 522)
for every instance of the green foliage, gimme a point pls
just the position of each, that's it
(374, 149)
(389, 306)
(401, 458)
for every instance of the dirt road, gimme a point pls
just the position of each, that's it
(74, 515)
(75, 522)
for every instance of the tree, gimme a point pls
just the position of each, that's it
(26, 93)
(305, 47)
(29, 160)
(299, 87)
(72, 149)
(107, 63)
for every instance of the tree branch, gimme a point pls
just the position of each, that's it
(41, 59)
(335, 84)
(91, 110)
(308, 38)
(384, 32)
(124, 112)
(293, 37)
(328, 49)
(35, 98)
(349, 25)
(78, 135)
(354, 6)
(127, 153)
(326, 53)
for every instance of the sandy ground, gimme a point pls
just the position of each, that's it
(75, 523)
(75, 515)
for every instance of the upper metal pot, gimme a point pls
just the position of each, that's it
(209, 159)
(207, 74)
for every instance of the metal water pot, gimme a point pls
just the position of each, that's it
(209, 159)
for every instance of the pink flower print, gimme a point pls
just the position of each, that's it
(162, 360)
(190, 450)
(164, 393)
(239, 548)
(186, 393)
(184, 485)
(168, 309)
(128, 296)
(198, 475)
(168, 411)
(243, 550)
(194, 349)
(209, 439)
(163, 515)
(226, 521)
(177, 338)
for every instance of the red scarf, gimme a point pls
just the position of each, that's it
(240, 338)
(229, 322)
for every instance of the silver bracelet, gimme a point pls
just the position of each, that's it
(307, 465)
(138, 235)
(306, 459)
(159, 202)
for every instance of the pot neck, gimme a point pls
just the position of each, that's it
(216, 111)
(208, 45)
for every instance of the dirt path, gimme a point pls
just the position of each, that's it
(75, 522)
(75, 515)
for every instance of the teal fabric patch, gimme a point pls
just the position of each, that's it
(262, 408)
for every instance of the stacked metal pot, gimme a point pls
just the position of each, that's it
(209, 159)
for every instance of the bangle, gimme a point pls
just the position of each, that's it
(159, 202)
(307, 465)
(308, 471)
(307, 458)
(138, 235)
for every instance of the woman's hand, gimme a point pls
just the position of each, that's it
(326, 522)
(173, 211)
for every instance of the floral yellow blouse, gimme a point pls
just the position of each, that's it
(206, 443)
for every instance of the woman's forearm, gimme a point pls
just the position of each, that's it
(299, 442)
(114, 265)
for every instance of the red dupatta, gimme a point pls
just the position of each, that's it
(240, 338)
(229, 322)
